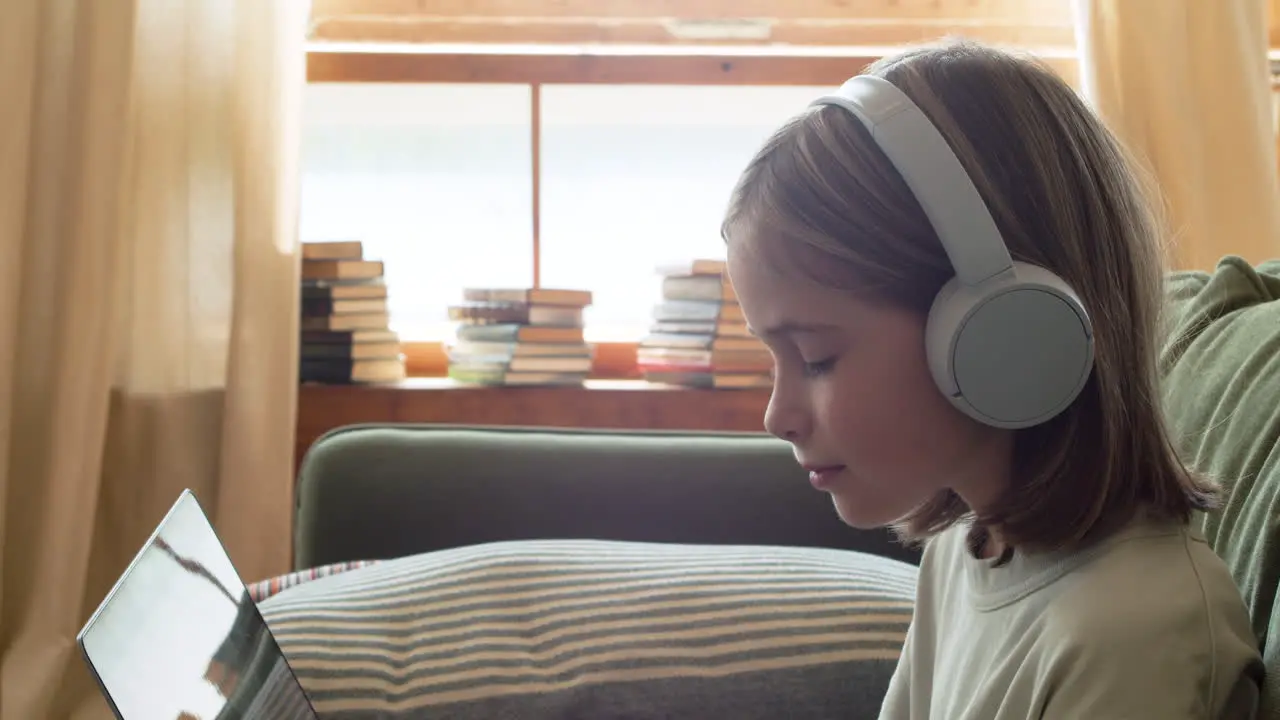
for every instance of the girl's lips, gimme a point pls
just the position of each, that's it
(822, 476)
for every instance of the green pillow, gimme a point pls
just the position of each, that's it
(1221, 389)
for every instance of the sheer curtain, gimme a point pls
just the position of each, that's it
(148, 303)
(1186, 85)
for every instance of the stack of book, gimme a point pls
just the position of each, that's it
(346, 335)
(699, 337)
(520, 337)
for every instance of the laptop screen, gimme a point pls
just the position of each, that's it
(179, 638)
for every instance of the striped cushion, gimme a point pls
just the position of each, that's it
(264, 589)
(596, 629)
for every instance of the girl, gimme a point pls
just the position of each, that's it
(1062, 576)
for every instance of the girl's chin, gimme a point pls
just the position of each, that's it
(859, 514)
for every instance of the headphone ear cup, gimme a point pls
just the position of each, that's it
(1012, 352)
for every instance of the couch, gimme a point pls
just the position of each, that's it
(528, 573)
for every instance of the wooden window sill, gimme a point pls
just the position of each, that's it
(611, 361)
(615, 404)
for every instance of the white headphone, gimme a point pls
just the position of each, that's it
(1007, 342)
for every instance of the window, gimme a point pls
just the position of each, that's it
(434, 178)
(636, 175)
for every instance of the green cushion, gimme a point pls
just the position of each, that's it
(1221, 388)
(595, 629)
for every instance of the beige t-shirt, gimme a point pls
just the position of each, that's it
(1148, 624)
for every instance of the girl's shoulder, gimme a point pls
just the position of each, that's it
(1154, 609)
(1167, 571)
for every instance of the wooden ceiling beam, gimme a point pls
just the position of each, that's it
(1033, 23)
(466, 31)
(1028, 23)
(1038, 12)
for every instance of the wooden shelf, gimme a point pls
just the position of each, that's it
(617, 404)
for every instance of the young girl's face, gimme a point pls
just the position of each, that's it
(854, 397)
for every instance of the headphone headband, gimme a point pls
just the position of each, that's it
(932, 171)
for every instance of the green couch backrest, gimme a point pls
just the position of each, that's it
(1221, 390)
(384, 491)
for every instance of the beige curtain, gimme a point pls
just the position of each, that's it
(1186, 85)
(148, 303)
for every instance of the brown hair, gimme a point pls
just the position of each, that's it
(827, 202)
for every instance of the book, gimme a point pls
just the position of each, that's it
(528, 296)
(341, 269)
(520, 336)
(333, 250)
(345, 333)
(698, 336)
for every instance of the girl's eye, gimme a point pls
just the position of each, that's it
(814, 369)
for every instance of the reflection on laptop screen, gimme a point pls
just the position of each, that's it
(179, 638)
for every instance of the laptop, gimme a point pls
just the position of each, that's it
(178, 637)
